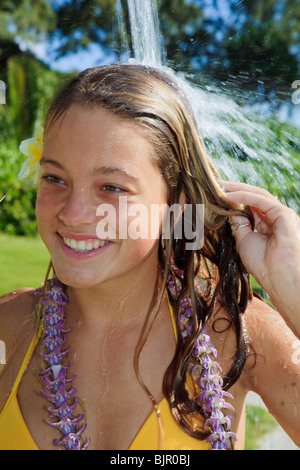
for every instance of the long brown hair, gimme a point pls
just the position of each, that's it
(155, 102)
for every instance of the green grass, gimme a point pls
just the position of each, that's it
(23, 262)
(258, 424)
(257, 288)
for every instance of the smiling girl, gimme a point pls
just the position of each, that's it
(154, 333)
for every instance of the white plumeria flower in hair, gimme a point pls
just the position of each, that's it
(32, 148)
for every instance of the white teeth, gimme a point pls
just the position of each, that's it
(84, 246)
(95, 244)
(81, 246)
(89, 246)
(73, 244)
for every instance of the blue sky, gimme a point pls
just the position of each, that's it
(78, 61)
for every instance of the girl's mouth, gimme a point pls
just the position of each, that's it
(82, 247)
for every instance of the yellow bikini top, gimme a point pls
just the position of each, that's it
(15, 435)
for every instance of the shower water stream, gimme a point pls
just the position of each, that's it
(145, 32)
(240, 144)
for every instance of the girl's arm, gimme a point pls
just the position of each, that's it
(273, 366)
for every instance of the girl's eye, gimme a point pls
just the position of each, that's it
(111, 188)
(52, 179)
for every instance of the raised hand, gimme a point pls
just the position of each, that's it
(271, 253)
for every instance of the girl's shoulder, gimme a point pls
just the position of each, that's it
(261, 318)
(17, 328)
(271, 342)
(17, 316)
(268, 339)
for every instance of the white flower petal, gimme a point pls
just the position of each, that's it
(24, 171)
(33, 149)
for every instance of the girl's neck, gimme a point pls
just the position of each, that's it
(117, 302)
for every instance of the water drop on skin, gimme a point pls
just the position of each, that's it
(295, 412)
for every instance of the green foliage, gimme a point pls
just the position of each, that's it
(83, 22)
(17, 214)
(23, 22)
(260, 55)
(275, 165)
(258, 423)
(254, 41)
(31, 87)
(286, 171)
(23, 97)
(28, 18)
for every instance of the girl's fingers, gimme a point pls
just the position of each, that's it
(261, 205)
(260, 200)
(239, 222)
(269, 214)
(241, 226)
(232, 187)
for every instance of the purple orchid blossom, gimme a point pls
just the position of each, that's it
(58, 391)
(207, 372)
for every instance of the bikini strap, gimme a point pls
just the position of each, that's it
(23, 368)
(27, 358)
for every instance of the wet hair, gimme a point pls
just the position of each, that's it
(156, 103)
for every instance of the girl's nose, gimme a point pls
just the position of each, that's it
(78, 209)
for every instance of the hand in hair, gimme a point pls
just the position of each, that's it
(270, 252)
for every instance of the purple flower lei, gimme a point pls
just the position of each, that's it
(207, 372)
(56, 383)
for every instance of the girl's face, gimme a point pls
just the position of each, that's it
(95, 169)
